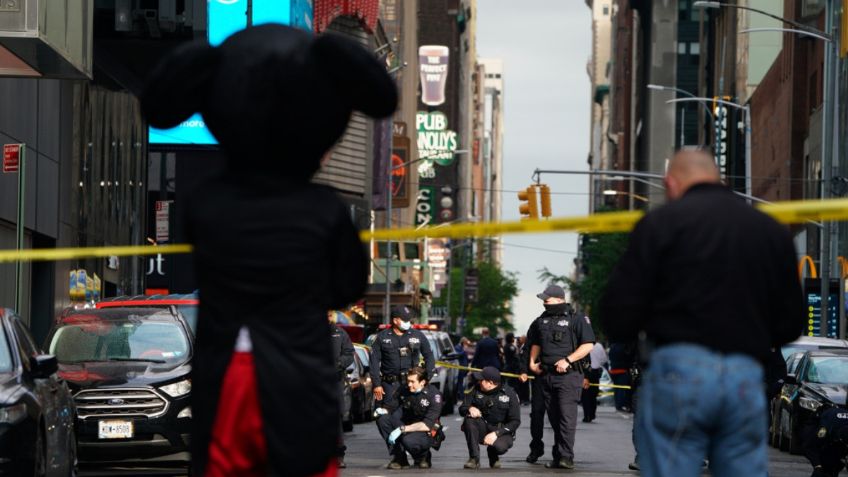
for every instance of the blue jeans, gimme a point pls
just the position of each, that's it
(695, 404)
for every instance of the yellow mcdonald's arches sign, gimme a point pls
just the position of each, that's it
(809, 261)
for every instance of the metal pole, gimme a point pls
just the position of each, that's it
(682, 126)
(827, 172)
(833, 46)
(748, 189)
(19, 245)
(387, 306)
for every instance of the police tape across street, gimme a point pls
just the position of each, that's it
(444, 364)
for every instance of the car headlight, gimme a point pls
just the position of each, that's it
(185, 413)
(809, 403)
(13, 414)
(177, 389)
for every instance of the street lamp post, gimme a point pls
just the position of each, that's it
(657, 87)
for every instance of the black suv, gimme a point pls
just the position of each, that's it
(129, 372)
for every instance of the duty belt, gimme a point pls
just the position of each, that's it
(551, 369)
(393, 378)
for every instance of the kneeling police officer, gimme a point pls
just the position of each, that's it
(492, 414)
(409, 420)
(826, 442)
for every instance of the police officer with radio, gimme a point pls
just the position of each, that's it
(537, 400)
(395, 351)
(343, 357)
(826, 442)
(492, 414)
(409, 420)
(561, 342)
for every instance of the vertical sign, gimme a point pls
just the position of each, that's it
(424, 206)
(163, 208)
(472, 284)
(11, 158)
(433, 60)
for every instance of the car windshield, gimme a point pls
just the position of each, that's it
(791, 349)
(434, 346)
(6, 364)
(828, 370)
(144, 335)
(189, 312)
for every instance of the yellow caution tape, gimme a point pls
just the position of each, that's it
(791, 212)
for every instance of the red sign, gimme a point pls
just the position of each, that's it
(366, 11)
(11, 157)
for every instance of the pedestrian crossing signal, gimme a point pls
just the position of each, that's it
(530, 208)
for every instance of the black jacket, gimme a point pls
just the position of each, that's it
(500, 407)
(393, 354)
(342, 349)
(425, 406)
(707, 269)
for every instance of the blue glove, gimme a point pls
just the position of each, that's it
(394, 436)
(380, 411)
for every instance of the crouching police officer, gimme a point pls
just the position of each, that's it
(395, 351)
(826, 442)
(492, 414)
(561, 341)
(409, 421)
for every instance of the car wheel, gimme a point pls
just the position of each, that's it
(794, 445)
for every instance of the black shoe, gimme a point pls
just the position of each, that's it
(533, 457)
(423, 464)
(633, 466)
(586, 419)
(472, 463)
(495, 464)
(562, 463)
(398, 463)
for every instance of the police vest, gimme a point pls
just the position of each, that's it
(404, 350)
(494, 406)
(415, 406)
(833, 426)
(555, 338)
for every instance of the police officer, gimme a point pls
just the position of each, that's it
(492, 414)
(826, 442)
(537, 400)
(395, 351)
(409, 420)
(561, 341)
(343, 354)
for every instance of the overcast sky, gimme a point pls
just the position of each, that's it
(545, 49)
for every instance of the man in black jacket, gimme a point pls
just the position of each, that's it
(713, 284)
(492, 414)
(343, 354)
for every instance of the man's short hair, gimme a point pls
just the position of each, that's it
(420, 373)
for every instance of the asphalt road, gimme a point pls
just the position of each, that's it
(602, 448)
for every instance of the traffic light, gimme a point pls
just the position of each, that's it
(545, 199)
(530, 209)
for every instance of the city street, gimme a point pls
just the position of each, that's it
(603, 449)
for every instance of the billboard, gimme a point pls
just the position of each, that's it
(226, 17)
(433, 61)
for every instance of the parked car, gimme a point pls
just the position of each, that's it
(36, 408)
(820, 380)
(809, 343)
(185, 304)
(445, 378)
(362, 389)
(129, 369)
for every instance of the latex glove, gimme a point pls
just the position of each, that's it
(380, 411)
(394, 436)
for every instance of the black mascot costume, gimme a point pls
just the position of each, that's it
(276, 99)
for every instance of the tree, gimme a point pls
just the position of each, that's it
(599, 255)
(495, 293)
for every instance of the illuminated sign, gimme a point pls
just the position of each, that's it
(436, 143)
(226, 17)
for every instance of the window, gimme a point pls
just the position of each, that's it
(694, 48)
(411, 251)
(681, 48)
(606, 10)
(381, 250)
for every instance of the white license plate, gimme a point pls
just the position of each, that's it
(115, 430)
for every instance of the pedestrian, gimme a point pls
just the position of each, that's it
(409, 420)
(560, 341)
(511, 359)
(395, 351)
(487, 352)
(711, 283)
(825, 442)
(461, 361)
(343, 354)
(263, 369)
(589, 399)
(621, 356)
(523, 386)
(492, 415)
(537, 401)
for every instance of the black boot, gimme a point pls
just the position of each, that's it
(473, 463)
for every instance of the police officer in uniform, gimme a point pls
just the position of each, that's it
(409, 420)
(492, 414)
(561, 341)
(826, 442)
(537, 401)
(395, 351)
(343, 354)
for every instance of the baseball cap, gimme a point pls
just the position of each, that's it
(401, 312)
(553, 291)
(489, 373)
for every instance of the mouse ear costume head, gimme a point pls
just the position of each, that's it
(179, 85)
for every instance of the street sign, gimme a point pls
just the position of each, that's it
(816, 325)
(11, 158)
(163, 208)
(472, 284)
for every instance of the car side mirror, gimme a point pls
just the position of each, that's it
(790, 379)
(43, 366)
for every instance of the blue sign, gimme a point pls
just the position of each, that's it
(226, 17)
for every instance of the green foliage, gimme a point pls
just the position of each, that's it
(600, 254)
(493, 308)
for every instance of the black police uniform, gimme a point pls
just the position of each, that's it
(392, 355)
(559, 334)
(501, 413)
(826, 442)
(537, 400)
(407, 408)
(343, 357)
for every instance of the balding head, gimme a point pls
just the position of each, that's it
(688, 168)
